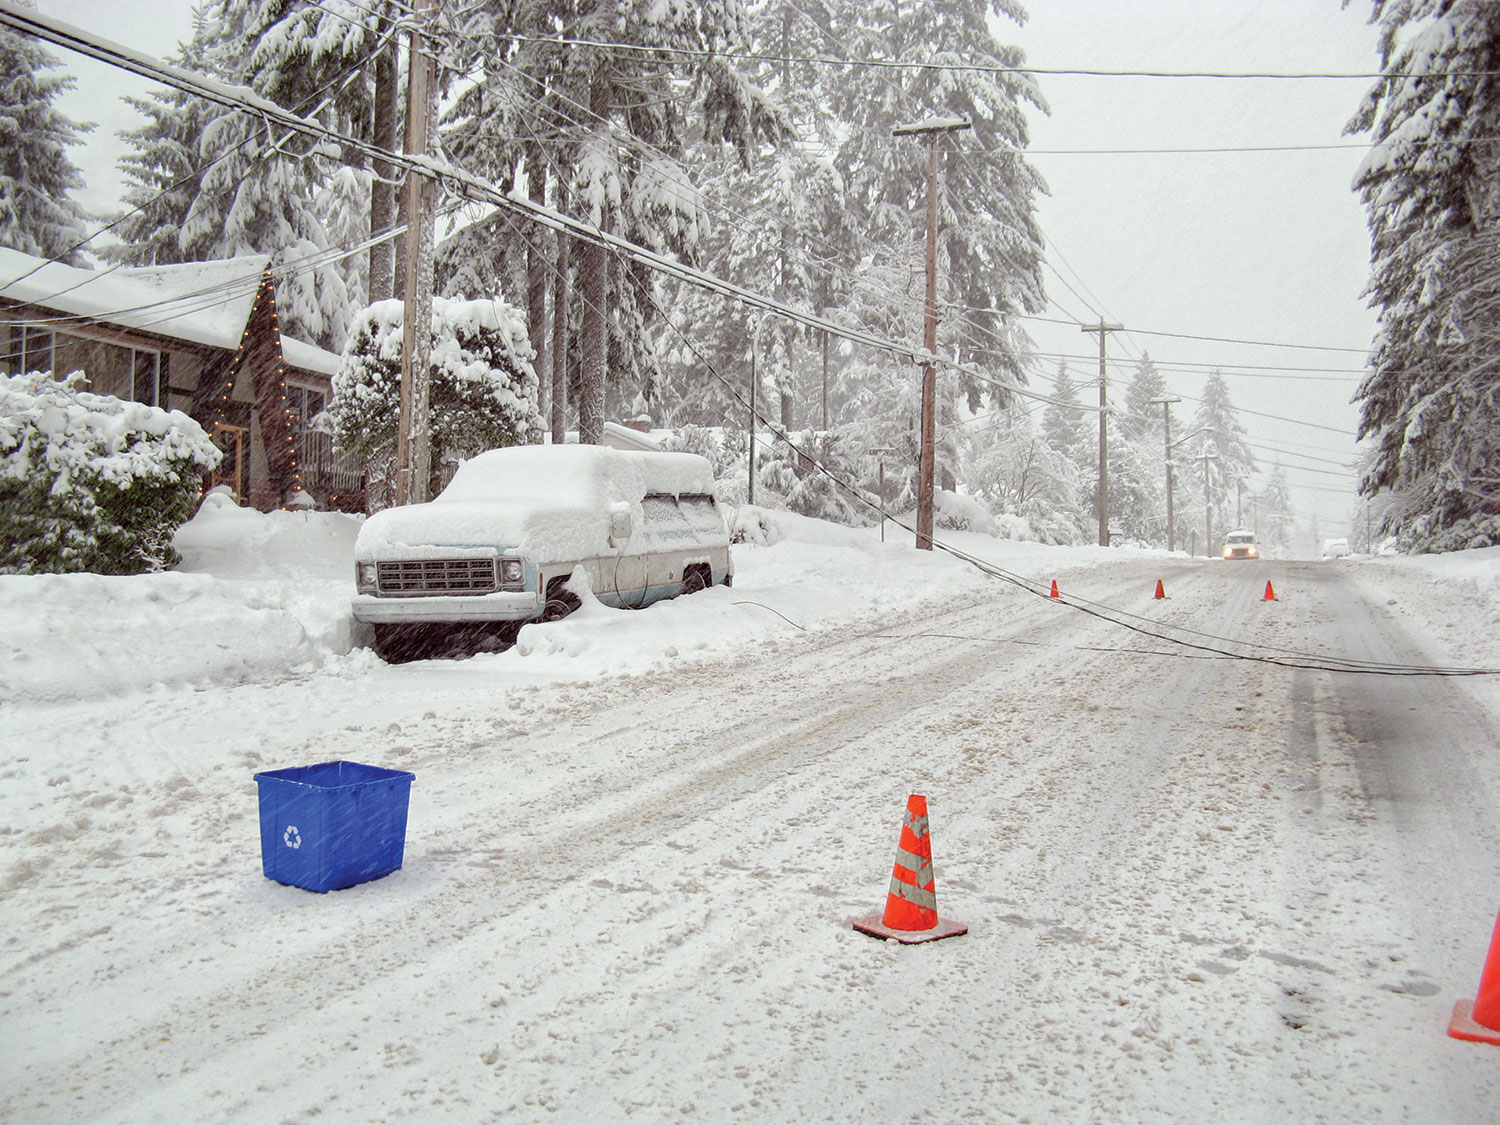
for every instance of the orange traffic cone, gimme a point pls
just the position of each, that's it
(1479, 1019)
(1270, 595)
(911, 907)
(1054, 589)
(1160, 593)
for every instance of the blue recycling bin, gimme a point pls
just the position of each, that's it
(332, 825)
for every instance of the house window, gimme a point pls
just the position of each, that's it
(27, 349)
(108, 369)
(146, 376)
(304, 404)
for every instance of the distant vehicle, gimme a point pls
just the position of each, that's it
(1335, 548)
(1241, 545)
(500, 545)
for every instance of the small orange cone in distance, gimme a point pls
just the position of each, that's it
(1270, 595)
(1160, 592)
(1478, 1020)
(1054, 589)
(911, 906)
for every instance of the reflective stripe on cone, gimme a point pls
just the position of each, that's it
(911, 905)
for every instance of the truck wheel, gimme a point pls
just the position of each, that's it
(693, 580)
(560, 602)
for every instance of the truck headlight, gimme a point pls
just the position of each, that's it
(365, 575)
(511, 570)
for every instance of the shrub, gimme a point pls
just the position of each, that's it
(91, 482)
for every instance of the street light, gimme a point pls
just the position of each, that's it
(930, 128)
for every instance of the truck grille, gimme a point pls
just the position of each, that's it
(412, 578)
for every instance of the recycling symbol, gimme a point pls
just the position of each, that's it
(292, 837)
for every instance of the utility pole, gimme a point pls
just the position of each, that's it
(1103, 330)
(413, 450)
(1239, 499)
(1166, 417)
(825, 386)
(931, 129)
(1208, 511)
(754, 381)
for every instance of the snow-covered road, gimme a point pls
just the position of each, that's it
(1197, 888)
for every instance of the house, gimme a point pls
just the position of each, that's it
(199, 337)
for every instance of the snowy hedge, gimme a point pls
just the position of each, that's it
(91, 482)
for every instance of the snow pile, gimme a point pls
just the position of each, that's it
(258, 597)
(264, 597)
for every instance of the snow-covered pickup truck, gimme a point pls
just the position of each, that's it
(502, 543)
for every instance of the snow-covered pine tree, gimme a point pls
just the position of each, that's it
(990, 248)
(164, 171)
(1274, 518)
(1431, 183)
(1223, 439)
(1142, 440)
(810, 479)
(780, 221)
(36, 174)
(1142, 418)
(343, 206)
(259, 187)
(483, 393)
(607, 129)
(1062, 421)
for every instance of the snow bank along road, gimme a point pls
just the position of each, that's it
(1198, 888)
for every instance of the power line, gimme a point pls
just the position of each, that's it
(1213, 339)
(980, 68)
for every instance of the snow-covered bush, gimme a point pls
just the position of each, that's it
(483, 392)
(812, 477)
(957, 512)
(92, 482)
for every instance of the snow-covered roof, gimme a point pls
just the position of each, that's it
(198, 302)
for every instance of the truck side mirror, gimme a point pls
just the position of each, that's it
(619, 528)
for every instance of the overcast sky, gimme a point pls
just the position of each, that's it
(1261, 246)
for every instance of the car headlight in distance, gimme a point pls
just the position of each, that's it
(365, 575)
(1253, 552)
(511, 570)
(1228, 552)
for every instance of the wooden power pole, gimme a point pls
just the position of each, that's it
(1103, 330)
(930, 129)
(413, 446)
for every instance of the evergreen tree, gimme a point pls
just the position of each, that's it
(1141, 439)
(1431, 402)
(1143, 419)
(164, 172)
(36, 173)
(608, 130)
(990, 247)
(1062, 420)
(483, 390)
(784, 213)
(259, 186)
(1229, 459)
(1274, 518)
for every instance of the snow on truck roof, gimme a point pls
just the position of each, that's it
(589, 472)
(544, 500)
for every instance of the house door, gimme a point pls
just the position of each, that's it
(234, 442)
